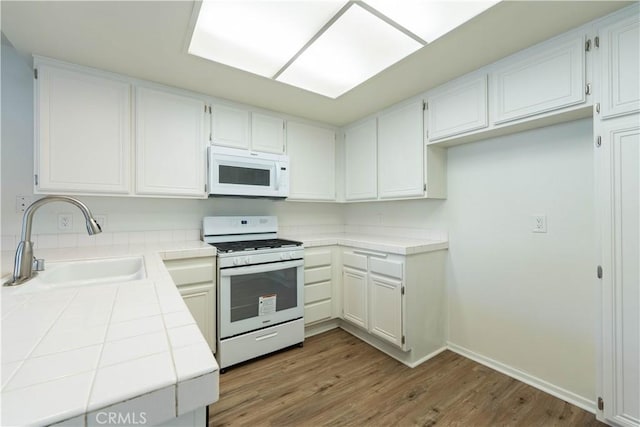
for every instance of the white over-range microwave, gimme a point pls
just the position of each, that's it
(238, 172)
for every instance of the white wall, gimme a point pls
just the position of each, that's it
(523, 299)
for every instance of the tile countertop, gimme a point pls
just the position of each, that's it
(108, 347)
(388, 244)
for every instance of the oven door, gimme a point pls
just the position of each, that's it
(256, 296)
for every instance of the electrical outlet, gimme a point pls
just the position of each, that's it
(539, 224)
(22, 203)
(101, 220)
(65, 222)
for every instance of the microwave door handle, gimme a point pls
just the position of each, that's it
(277, 176)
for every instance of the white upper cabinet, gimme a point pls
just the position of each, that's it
(230, 126)
(400, 152)
(361, 164)
(620, 59)
(83, 131)
(546, 77)
(170, 144)
(238, 128)
(457, 107)
(312, 162)
(267, 133)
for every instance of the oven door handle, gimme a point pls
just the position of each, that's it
(263, 268)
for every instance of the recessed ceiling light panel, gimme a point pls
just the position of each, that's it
(355, 48)
(430, 19)
(323, 46)
(258, 36)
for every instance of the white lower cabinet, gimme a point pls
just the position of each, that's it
(385, 320)
(373, 294)
(319, 283)
(195, 279)
(354, 296)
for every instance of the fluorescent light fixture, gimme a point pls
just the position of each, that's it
(430, 19)
(355, 48)
(258, 36)
(324, 46)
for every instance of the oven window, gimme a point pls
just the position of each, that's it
(257, 294)
(243, 176)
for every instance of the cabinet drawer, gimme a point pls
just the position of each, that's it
(317, 275)
(317, 311)
(386, 267)
(191, 270)
(354, 260)
(317, 259)
(317, 292)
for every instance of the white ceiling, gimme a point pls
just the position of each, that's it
(149, 39)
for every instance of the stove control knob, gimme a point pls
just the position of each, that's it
(247, 260)
(292, 255)
(237, 261)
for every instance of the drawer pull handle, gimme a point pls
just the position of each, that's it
(264, 337)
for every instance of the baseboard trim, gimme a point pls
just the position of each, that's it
(427, 357)
(320, 328)
(526, 378)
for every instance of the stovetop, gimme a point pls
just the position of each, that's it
(253, 245)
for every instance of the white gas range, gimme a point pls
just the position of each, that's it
(260, 297)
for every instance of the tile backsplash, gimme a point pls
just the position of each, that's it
(75, 240)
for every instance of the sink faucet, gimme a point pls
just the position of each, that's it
(25, 261)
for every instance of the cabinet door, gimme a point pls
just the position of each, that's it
(361, 164)
(619, 180)
(200, 299)
(458, 107)
(354, 298)
(83, 132)
(312, 158)
(385, 309)
(267, 133)
(400, 152)
(170, 144)
(230, 126)
(544, 78)
(620, 56)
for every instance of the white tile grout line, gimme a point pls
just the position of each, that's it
(95, 371)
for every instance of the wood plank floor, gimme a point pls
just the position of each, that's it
(338, 380)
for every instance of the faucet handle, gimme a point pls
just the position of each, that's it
(38, 264)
